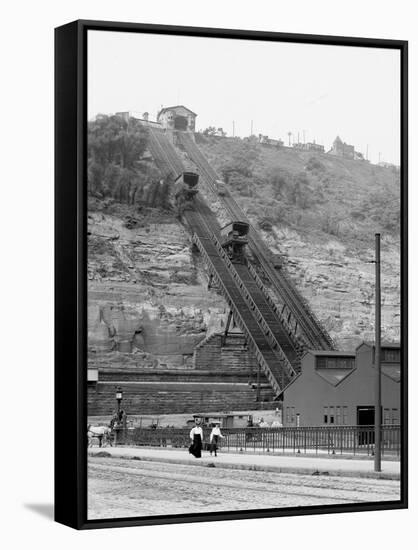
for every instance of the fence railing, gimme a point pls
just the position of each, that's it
(353, 440)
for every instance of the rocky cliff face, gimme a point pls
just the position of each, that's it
(339, 284)
(149, 305)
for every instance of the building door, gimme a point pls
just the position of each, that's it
(365, 417)
(180, 123)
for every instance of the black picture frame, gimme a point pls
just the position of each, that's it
(71, 270)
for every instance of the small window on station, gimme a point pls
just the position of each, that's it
(345, 415)
(338, 415)
(391, 355)
(331, 415)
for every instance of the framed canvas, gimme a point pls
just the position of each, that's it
(231, 282)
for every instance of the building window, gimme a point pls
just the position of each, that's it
(390, 355)
(325, 415)
(395, 416)
(338, 415)
(335, 362)
(345, 415)
(386, 416)
(292, 415)
(331, 415)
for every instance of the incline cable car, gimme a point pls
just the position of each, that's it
(234, 238)
(185, 189)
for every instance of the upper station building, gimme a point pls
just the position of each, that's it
(177, 117)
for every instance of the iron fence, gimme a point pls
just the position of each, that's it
(352, 440)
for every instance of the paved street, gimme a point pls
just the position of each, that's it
(122, 487)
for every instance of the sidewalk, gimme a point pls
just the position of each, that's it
(270, 463)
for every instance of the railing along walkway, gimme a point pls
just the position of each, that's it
(342, 440)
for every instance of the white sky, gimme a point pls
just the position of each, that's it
(325, 90)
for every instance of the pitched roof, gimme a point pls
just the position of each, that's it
(175, 107)
(391, 345)
(331, 353)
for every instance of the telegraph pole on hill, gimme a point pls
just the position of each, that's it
(378, 378)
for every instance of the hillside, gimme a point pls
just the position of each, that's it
(320, 213)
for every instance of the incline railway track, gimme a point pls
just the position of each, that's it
(314, 334)
(277, 352)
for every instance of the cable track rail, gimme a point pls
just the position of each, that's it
(252, 321)
(281, 320)
(315, 334)
(272, 361)
(271, 325)
(266, 312)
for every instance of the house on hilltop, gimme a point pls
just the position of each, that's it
(177, 117)
(341, 149)
(265, 140)
(310, 146)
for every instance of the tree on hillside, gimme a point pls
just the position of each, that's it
(240, 160)
(384, 210)
(115, 147)
(117, 140)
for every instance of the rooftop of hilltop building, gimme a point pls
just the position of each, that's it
(176, 109)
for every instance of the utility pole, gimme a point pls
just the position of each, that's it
(289, 134)
(257, 397)
(377, 365)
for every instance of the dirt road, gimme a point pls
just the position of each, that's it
(123, 488)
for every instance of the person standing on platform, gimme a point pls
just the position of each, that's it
(196, 435)
(215, 434)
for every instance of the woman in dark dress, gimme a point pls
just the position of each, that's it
(196, 435)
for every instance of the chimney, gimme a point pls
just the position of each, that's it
(145, 116)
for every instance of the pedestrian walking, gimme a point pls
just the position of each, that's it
(215, 434)
(196, 435)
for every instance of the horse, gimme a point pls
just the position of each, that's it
(102, 433)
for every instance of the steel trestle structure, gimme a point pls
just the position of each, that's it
(314, 334)
(270, 332)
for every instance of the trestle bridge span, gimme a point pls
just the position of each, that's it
(277, 335)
